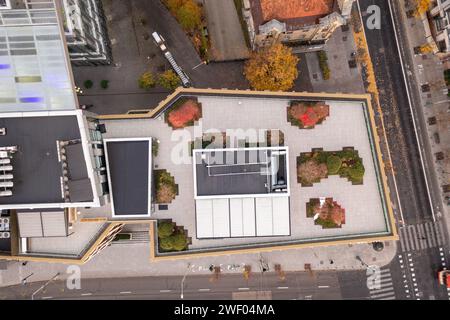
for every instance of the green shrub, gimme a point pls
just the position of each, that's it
(166, 243)
(179, 242)
(447, 77)
(88, 84)
(146, 81)
(327, 224)
(189, 15)
(334, 164)
(310, 207)
(169, 80)
(323, 64)
(104, 84)
(356, 172)
(165, 229)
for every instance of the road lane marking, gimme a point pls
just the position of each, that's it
(44, 298)
(204, 290)
(125, 292)
(323, 287)
(86, 294)
(165, 291)
(283, 288)
(242, 289)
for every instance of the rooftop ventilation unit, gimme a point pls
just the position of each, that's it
(6, 193)
(6, 168)
(5, 235)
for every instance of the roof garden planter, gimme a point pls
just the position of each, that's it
(172, 237)
(326, 213)
(314, 166)
(165, 187)
(307, 114)
(184, 113)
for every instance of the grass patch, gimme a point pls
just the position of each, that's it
(323, 64)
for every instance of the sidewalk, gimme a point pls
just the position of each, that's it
(342, 78)
(132, 260)
(428, 72)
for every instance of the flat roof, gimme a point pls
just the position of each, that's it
(241, 172)
(242, 217)
(129, 174)
(37, 170)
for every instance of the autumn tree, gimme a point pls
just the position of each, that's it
(421, 7)
(174, 5)
(273, 68)
(189, 15)
(169, 80)
(146, 80)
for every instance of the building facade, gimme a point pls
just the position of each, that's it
(439, 18)
(86, 32)
(304, 25)
(51, 152)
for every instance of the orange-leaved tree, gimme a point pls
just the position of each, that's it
(273, 68)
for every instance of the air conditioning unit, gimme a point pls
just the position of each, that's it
(5, 235)
(2, 131)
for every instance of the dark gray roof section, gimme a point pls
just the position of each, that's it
(80, 189)
(128, 163)
(76, 162)
(36, 169)
(243, 172)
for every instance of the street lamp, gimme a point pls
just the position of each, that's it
(24, 280)
(362, 262)
(44, 285)
(184, 278)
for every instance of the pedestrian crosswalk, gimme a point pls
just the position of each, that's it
(421, 236)
(385, 288)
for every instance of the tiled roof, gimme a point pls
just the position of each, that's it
(292, 9)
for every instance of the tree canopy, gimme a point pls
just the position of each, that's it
(146, 80)
(189, 15)
(273, 68)
(169, 80)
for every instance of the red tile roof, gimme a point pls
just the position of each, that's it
(292, 9)
(292, 12)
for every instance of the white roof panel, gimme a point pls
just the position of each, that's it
(237, 223)
(221, 218)
(281, 218)
(264, 217)
(243, 217)
(204, 219)
(248, 217)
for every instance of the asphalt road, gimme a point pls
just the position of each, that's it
(299, 285)
(405, 154)
(397, 117)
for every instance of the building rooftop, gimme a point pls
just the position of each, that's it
(292, 12)
(34, 68)
(37, 165)
(228, 215)
(129, 173)
(240, 171)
